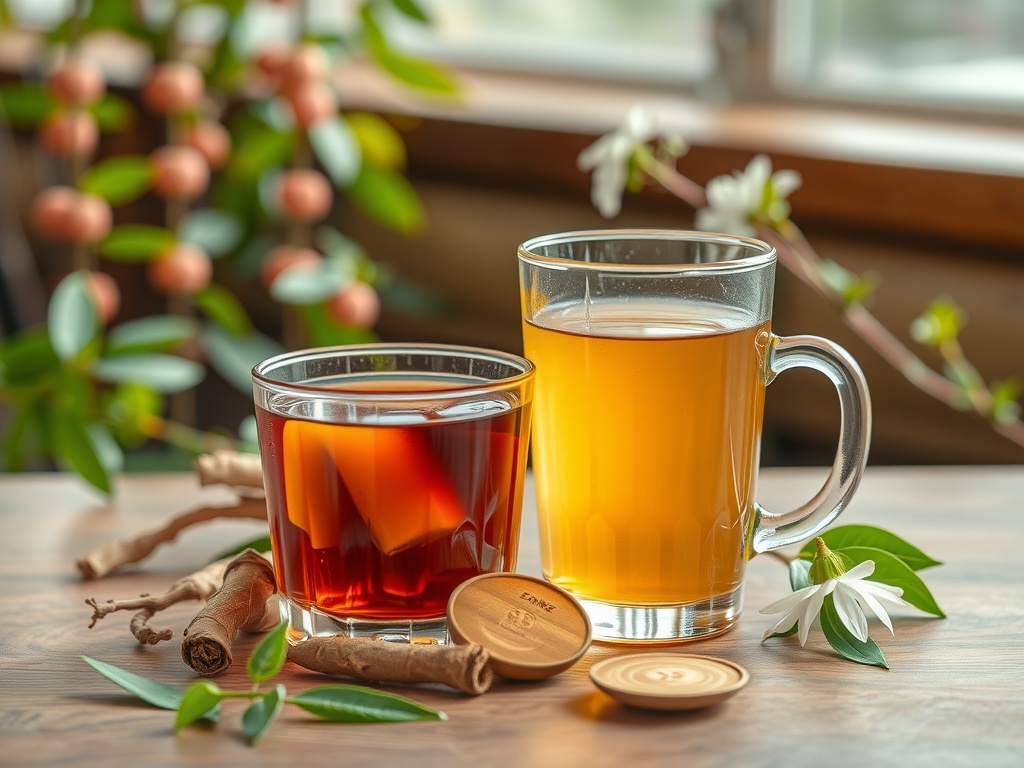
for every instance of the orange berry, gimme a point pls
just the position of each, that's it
(89, 219)
(283, 257)
(357, 305)
(304, 195)
(179, 172)
(105, 294)
(271, 60)
(305, 64)
(312, 102)
(209, 139)
(51, 211)
(78, 83)
(70, 134)
(183, 269)
(173, 88)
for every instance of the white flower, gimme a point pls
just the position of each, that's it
(851, 594)
(608, 157)
(736, 202)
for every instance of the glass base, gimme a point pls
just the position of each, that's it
(304, 623)
(664, 623)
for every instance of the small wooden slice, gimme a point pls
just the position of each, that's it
(668, 681)
(530, 628)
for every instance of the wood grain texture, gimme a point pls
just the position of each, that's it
(954, 695)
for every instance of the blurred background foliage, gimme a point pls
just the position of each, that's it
(210, 172)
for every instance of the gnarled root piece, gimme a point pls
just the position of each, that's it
(107, 557)
(196, 586)
(241, 604)
(463, 667)
(239, 470)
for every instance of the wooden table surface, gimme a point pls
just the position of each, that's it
(954, 695)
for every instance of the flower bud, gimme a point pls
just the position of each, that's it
(826, 564)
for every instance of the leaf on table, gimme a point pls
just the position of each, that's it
(201, 698)
(269, 655)
(259, 716)
(844, 643)
(355, 704)
(844, 536)
(889, 569)
(150, 691)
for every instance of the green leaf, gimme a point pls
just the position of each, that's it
(299, 284)
(72, 316)
(201, 698)
(387, 198)
(258, 151)
(119, 180)
(74, 447)
(164, 373)
(411, 9)
(416, 73)
(234, 357)
(378, 141)
(337, 150)
(844, 643)
(150, 691)
(25, 105)
(113, 114)
(799, 574)
(27, 358)
(216, 232)
(268, 656)
(355, 704)
(889, 569)
(939, 324)
(26, 423)
(136, 242)
(125, 406)
(222, 307)
(109, 452)
(156, 333)
(261, 544)
(844, 536)
(262, 713)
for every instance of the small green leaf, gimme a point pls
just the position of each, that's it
(222, 307)
(269, 655)
(25, 105)
(844, 643)
(261, 544)
(844, 536)
(156, 333)
(262, 713)
(216, 232)
(71, 316)
(411, 9)
(27, 358)
(1005, 408)
(889, 569)
(119, 180)
(136, 242)
(109, 452)
(355, 704)
(150, 691)
(337, 150)
(164, 373)
(378, 141)
(940, 323)
(234, 357)
(799, 574)
(74, 447)
(259, 150)
(387, 198)
(125, 407)
(113, 114)
(197, 702)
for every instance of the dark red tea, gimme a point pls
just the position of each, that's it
(380, 522)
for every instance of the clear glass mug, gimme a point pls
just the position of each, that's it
(653, 351)
(393, 472)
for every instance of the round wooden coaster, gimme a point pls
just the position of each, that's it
(530, 628)
(668, 681)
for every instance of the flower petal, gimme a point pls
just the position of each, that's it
(850, 612)
(859, 571)
(786, 182)
(785, 623)
(590, 157)
(812, 607)
(791, 600)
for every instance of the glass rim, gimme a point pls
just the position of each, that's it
(525, 367)
(761, 253)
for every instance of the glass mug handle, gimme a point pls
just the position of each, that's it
(769, 530)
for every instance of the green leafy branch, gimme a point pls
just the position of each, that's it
(202, 701)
